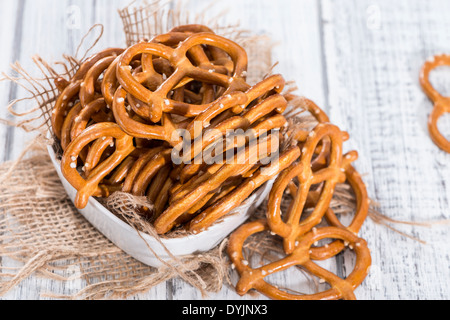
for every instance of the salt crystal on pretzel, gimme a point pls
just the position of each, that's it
(92, 185)
(243, 162)
(72, 89)
(291, 228)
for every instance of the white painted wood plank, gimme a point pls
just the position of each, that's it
(374, 52)
(7, 23)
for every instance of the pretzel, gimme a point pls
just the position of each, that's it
(207, 217)
(94, 110)
(184, 69)
(362, 208)
(252, 153)
(301, 135)
(275, 102)
(137, 167)
(92, 185)
(71, 89)
(441, 104)
(300, 256)
(119, 174)
(261, 127)
(167, 131)
(148, 172)
(292, 227)
(68, 124)
(243, 162)
(162, 198)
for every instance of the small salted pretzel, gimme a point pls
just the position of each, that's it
(92, 111)
(189, 195)
(149, 171)
(79, 117)
(362, 200)
(229, 202)
(144, 158)
(290, 227)
(71, 90)
(354, 179)
(263, 126)
(155, 70)
(158, 101)
(92, 186)
(441, 104)
(256, 103)
(300, 256)
(300, 135)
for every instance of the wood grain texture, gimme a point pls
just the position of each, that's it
(374, 52)
(359, 60)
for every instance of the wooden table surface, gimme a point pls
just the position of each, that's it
(359, 60)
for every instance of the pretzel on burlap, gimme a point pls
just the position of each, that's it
(362, 208)
(441, 104)
(301, 256)
(291, 228)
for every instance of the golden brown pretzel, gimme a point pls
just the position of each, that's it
(291, 228)
(209, 182)
(300, 135)
(149, 171)
(87, 113)
(183, 69)
(167, 131)
(68, 124)
(92, 185)
(300, 256)
(362, 199)
(229, 202)
(362, 208)
(266, 98)
(69, 95)
(138, 165)
(441, 104)
(263, 126)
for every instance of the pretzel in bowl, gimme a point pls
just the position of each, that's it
(301, 256)
(70, 90)
(234, 199)
(92, 186)
(255, 104)
(441, 103)
(208, 182)
(158, 101)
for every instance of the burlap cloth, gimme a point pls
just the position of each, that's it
(40, 227)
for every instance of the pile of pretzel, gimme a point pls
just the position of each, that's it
(118, 121)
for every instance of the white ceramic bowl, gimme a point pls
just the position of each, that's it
(127, 238)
